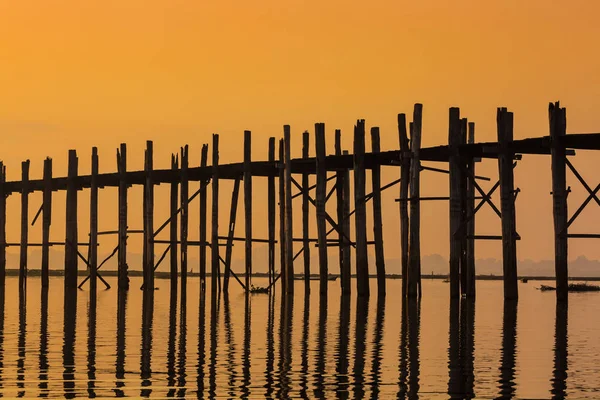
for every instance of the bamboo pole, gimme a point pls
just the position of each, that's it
(122, 249)
(377, 217)
(24, 224)
(230, 235)
(173, 224)
(215, 216)
(271, 213)
(71, 224)
(203, 207)
(558, 129)
(321, 170)
(93, 251)
(248, 205)
(404, 181)
(2, 228)
(305, 220)
(149, 218)
(46, 221)
(470, 292)
(282, 236)
(289, 250)
(454, 140)
(360, 218)
(507, 203)
(184, 225)
(346, 262)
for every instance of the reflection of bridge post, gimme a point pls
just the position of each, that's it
(121, 327)
(92, 345)
(321, 357)
(342, 362)
(146, 350)
(362, 314)
(21, 342)
(377, 347)
(509, 339)
(70, 311)
(247, 343)
(270, 348)
(414, 329)
(43, 364)
(171, 341)
(181, 382)
(201, 341)
(285, 346)
(561, 363)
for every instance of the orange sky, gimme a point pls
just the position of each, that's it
(97, 73)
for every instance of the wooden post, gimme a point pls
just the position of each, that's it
(507, 203)
(271, 213)
(173, 224)
(404, 181)
(360, 216)
(345, 273)
(558, 129)
(248, 205)
(183, 233)
(215, 216)
(149, 218)
(305, 220)
(46, 220)
(2, 229)
(289, 249)
(321, 193)
(71, 224)
(454, 140)
(122, 252)
(230, 235)
(282, 236)
(464, 167)
(93, 253)
(470, 290)
(340, 183)
(203, 201)
(414, 258)
(377, 217)
(24, 224)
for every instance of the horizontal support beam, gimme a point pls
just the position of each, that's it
(241, 239)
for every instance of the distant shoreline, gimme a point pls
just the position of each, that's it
(166, 275)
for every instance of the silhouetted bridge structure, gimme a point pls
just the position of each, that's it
(466, 197)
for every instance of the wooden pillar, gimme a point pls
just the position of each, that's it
(24, 224)
(93, 253)
(71, 224)
(360, 216)
(377, 217)
(282, 237)
(289, 248)
(558, 129)
(183, 233)
(203, 201)
(454, 162)
(2, 227)
(346, 273)
(149, 218)
(271, 212)
(464, 166)
(305, 220)
(404, 185)
(46, 220)
(215, 216)
(248, 205)
(174, 205)
(122, 251)
(414, 258)
(470, 290)
(230, 234)
(321, 193)
(340, 183)
(507, 203)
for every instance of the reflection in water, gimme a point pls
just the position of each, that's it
(181, 375)
(201, 344)
(146, 349)
(70, 311)
(214, 338)
(21, 342)
(43, 363)
(304, 349)
(509, 340)
(246, 354)
(171, 341)
(120, 358)
(91, 345)
(2, 297)
(231, 350)
(561, 363)
(377, 347)
(362, 313)
(461, 349)
(342, 349)
(285, 347)
(270, 362)
(320, 357)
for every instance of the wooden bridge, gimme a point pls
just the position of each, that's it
(465, 199)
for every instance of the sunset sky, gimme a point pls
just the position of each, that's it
(77, 74)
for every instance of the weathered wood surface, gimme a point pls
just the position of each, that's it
(24, 224)
(454, 165)
(203, 218)
(123, 279)
(414, 257)
(470, 268)
(174, 206)
(93, 249)
(404, 187)
(282, 235)
(149, 219)
(46, 221)
(71, 260)
(214, 250)
(271, 213)
(184, 216)
(289, 249)
(320, 199)
(2, 224)
(360, 218)
(377, 215)
(305, 214)
(248, 205)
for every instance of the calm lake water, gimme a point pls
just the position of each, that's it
(258, 347)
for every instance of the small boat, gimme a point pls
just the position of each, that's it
(332, 277)
(574, 287)
(315, 278)
(257, 290)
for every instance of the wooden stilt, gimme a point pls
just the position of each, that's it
(454, 140)
(2, 229)
(377, 217)
(173, 225)
(46, 220)
(340, 182)
(507, 203)
(215, 216)
(346, 262)
(464, 166)
(230, 235)
(183, 233)
(558, 130)
(271, 213)
(248, 205)
(289, 249)
(93, 258)
(149, 218)
(414, 260)
(305, 220)
(470, 290)
(71, 224)
(404, 185)
(362, 261)
(203, 206)
(320, 194)
(122, 249)
(282, 235)
(24, 224)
